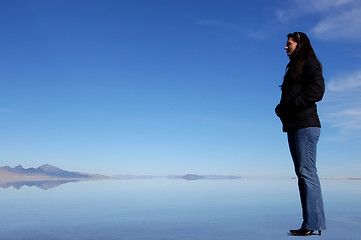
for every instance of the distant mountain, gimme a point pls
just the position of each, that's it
(44, 171)
(192, 177)
(45, 185)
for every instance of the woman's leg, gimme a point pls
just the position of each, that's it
(303, 146)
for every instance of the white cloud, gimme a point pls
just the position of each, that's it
(282, 15)
(348, 119)
(338, 19)
(342, 104)
(345, 24)
(324, 5)
(350, 82)
(317, 6)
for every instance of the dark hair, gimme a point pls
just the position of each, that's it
(298, 58)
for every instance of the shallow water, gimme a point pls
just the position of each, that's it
(173, 209)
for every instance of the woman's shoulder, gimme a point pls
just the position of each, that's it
(312, 64)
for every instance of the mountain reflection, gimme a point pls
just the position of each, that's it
(44, 184)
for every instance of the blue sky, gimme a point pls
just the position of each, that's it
(171, 86)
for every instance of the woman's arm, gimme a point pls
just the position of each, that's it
(313, 86)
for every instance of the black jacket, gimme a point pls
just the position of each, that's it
(297, 108)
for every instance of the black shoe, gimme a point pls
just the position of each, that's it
(303, 232)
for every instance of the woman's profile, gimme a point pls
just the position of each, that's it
(303, 86)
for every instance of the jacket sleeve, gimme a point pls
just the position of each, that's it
(279, 110)
(313, 86)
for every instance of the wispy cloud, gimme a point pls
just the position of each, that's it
(295, 8)
(249, 33)
(348, 119)
(338, 19)
(325, 5)
(350, 82)
(345, 24)
(342, 108)
(220, 24)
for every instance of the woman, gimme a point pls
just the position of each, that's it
(303, 86)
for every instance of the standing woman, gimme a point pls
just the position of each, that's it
(303, 85)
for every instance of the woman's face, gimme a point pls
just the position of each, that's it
(290, 46)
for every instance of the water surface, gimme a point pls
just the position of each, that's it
(173, 209)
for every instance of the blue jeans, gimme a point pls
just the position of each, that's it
(303, 147)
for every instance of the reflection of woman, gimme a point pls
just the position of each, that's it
(303, 86)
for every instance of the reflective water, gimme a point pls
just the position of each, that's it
(173, 209)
